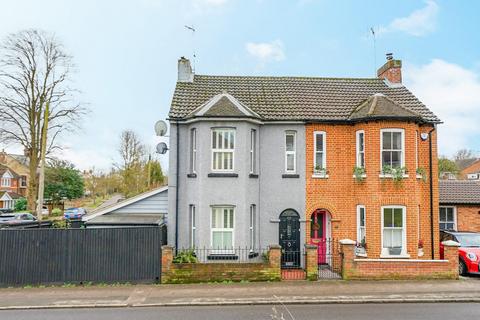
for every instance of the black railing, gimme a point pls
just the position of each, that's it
(292, 259)
(217, 255)
(329, 258)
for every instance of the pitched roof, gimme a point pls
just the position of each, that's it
(379, 106)
(223, 105)
(459, 192)
(4, 169)
(12, 195)
(294, 98)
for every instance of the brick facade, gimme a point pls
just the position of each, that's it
(468, 217)
(473, 168)
(340, 193)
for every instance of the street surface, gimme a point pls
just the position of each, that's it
(429, 311)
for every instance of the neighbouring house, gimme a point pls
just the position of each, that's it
(11, 188)
(256, 161)
(147, 209)
(470, 170)
(19, 165)
(459, 205)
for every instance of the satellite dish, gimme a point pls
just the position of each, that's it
(160, 128)
(162, 148)
(424, 136)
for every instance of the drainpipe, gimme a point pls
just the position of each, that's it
(176, 188)
(431, 191)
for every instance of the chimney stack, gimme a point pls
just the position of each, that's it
(391, 70)
(3, 156)
(185, 73)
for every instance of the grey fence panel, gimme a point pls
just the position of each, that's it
(43, 256)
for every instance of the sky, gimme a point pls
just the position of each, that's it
(126, 55)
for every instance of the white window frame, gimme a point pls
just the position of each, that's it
(384, 251)
(402, 155)
(253, 151)
(252, 227)
(416, 150)
(6, 182)
(223, 229)
(193, 226)
(359, 227)
(358, 151)
(223, 149)
(193, 150)
(324, 151)
(294, 152)
(454, 217)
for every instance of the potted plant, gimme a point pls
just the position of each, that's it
(359, 173)
(318, 170)
(361, 248)
(422, 173)
(420, 248)
(396, 173)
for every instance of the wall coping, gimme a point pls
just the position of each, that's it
(399, 260)
(347, 242)
(451, 243)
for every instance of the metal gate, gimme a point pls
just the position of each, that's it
(329, 259)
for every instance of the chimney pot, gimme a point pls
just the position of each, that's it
(185, 73)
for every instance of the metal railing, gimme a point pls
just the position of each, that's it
(218, 255)
(329, 259)
(292, 259)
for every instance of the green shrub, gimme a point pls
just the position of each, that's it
(56, 212)
(61, 224)
(186, 257)
(21, 204)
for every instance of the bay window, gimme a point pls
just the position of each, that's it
(392, 144)
(222, 229)
(223, 147)
(393, 231)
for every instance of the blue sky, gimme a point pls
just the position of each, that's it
(126, 55)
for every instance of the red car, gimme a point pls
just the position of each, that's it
(468, 252)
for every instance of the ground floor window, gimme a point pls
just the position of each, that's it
(252, 228)
(393, 231)
(222, 228)
(447, 218)
(193, 226)
(361, 231)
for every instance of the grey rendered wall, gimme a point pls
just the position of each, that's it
(269, 192)
(158, 203)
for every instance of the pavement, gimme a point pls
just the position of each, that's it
(288, 293)
(403, 311)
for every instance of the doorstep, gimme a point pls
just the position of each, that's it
(293, 274)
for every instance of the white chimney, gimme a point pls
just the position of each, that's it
(185, 73)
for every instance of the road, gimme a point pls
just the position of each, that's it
(433, 311)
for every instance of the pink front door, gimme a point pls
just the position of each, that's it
(318, 234)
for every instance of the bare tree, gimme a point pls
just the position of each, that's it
(34, 71)
(132, 152)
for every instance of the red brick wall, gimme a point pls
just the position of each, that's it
(468, 218)
(392, 71)
(474, 168)
(341, 193)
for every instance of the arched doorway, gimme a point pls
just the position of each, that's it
(320, 233)
(289, 238)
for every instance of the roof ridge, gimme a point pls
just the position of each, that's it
(289, 77)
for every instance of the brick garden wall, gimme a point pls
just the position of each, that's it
(218, 271)
(468, 218)
(404, 269)
(340, 193)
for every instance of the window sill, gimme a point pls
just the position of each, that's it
(191, 175)
(400, 256)
(419, 176)
(361, 255)
(362, 176)
(223, 175)
(253, 175)
(290, 175)
(390, 176)
(319, 176)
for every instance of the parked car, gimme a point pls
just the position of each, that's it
(17, 218)
(74, 213)
(5, 217)
(45, 211)
(468, 252)
(5, 210)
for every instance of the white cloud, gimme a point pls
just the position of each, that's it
(453, 94)
(266, 51)
(419, 23)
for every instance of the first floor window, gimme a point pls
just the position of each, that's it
(252, 228)
(222, 227)
(392, 146)
(193, 150)
(447, 218)
(361, 149)
(393, 231)
(223, 147)
(361, 226)
(320, 160)
(193, 226)
(253, 147)
(5, 182)
(290, 152)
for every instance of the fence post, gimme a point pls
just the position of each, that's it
(348, 254)
(167, 260)
(311, 262)
(451, 254)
